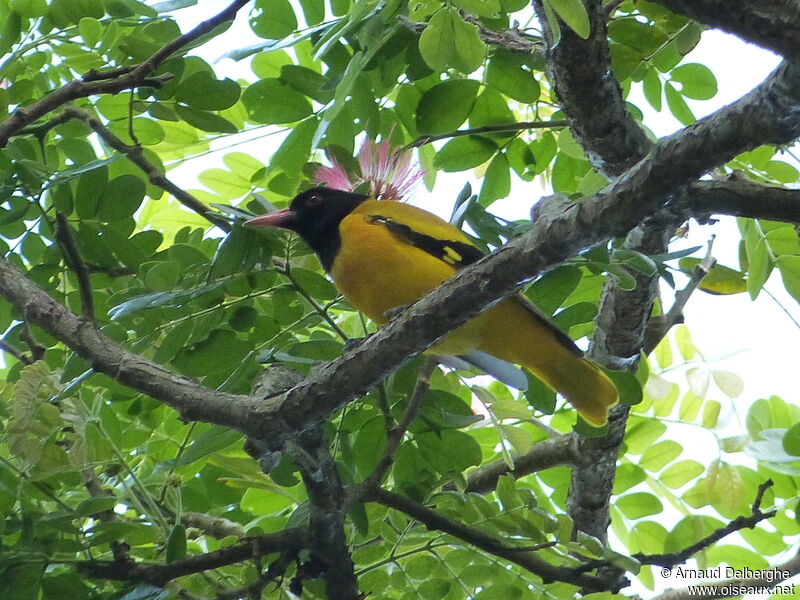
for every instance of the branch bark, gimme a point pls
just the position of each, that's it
(519, 556)
(288, 541)
(773, 25)
(114, 81)
(542, 455)
(188, 397)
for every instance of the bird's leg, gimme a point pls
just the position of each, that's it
(395, 312)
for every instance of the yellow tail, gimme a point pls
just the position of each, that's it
(515, 331)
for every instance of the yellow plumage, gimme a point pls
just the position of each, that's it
(377, 269)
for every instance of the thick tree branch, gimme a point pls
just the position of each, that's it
(326, 496)
(114, 81)
(488, 543)
(136, 155)
(738, 197)
(773, 25)
(191, 399)
(591, 97)
(542, 455)
(288, 541)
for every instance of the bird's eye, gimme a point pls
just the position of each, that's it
(314, 200)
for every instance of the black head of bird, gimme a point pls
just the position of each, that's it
(315, 215)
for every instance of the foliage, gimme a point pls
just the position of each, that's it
(87, 465)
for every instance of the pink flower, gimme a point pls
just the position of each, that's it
(389, 171)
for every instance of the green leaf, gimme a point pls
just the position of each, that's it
(680, 473)
(731, 384)
(307, 82)
(91, 187)
(462, 153)
(313, 11)
(205, 120)
(573, 13)
(176, 543)
(122, 197)
(651, 86)
(551, 289)
(711, 410)
(677, 105)
(638, 505)
(482, 8)
(270, 101)
(698, 82)
(789, 267)
(273, 19)
(657, 456)
(469, 48)
(202, 90)
(496, 181)
(221, 351)
(437, 41)
(507, 74)
(791, 440)
(212, 440)
(91, 31)
(445, 106)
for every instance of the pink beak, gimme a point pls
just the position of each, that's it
(279, 218)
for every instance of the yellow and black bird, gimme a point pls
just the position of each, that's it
(384, 254)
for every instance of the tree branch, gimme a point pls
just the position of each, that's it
(396, 434)
(191, 399)
(676, 558)
(591, 98)
(522, 125)
(658, 327)
(114, 81)
(136, 155)
(288, 541)
(739, 197)
(542, 455)
(74, 260)
(488, 543)
(18, 354)
(773, 25)
(327, 540)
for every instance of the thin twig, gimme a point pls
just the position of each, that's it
(396, 434)
(74, 260)
(136, 155)
(19, 355)
(659, 326)
(510, 39)
(486, 542)
(522, 125)
(115, 81)
(675, 558)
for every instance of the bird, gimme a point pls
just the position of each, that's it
(386, 254)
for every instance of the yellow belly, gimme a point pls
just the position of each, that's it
(377, 273)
